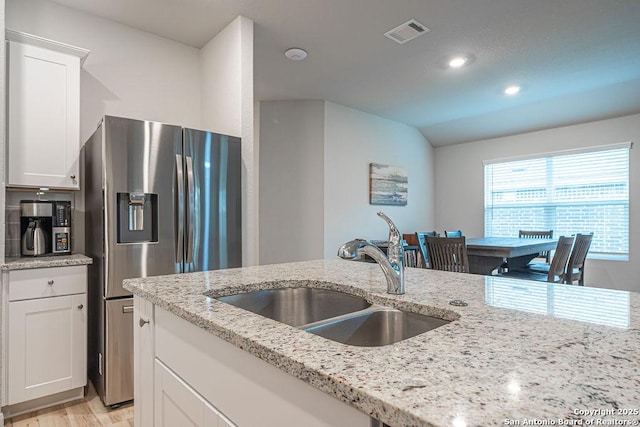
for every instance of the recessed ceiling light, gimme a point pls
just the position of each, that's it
(512, 90)
(295, 54)
(458, 61)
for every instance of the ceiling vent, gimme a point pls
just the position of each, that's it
(407, 31)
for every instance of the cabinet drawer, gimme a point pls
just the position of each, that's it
(47, 282)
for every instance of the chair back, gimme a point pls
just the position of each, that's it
(448, 253)
(420, 236)
(575, 266)
(560, 258)
(538, 235)
(456, 233)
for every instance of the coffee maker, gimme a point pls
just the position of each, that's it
(45, 227)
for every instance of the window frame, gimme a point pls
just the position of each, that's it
(548, 168)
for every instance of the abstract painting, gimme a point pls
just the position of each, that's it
(387, 185)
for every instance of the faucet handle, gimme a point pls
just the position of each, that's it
(394, 234)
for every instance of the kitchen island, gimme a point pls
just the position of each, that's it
(520, 352)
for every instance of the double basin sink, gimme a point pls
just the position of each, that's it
(338, 316)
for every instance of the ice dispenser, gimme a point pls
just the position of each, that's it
(136, 211)
(137, 217)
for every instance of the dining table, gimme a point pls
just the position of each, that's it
(488, 254)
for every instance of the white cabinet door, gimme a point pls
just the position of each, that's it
(43, 117)
(47, 346)
(177, 404)
(215, 418)
(143, 362)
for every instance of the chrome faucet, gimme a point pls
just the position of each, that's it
(392, 263)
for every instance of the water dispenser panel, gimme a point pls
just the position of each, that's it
(137, 217)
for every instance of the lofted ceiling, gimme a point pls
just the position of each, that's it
(575, 60)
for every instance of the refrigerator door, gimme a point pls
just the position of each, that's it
(142, 180)
(213, 210)
(117, 363)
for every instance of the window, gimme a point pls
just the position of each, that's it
(569, 193)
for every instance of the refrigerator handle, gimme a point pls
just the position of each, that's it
(190, 209)
(179, 210)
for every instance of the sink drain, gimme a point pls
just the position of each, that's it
(458, 303)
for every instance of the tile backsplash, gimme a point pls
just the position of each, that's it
(13, 237)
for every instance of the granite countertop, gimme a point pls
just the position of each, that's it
(520, 352)
(25, 263)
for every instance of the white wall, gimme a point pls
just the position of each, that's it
(314, 178)
(228, 108)
(291, 181)
(459, 186)
(128, 73)
(353, 139)
(221, 84)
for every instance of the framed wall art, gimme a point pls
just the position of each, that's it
(388, 185)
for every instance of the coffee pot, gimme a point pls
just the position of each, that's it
(34, 240)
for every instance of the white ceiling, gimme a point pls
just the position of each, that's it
(576, 60)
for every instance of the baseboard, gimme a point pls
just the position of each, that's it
(10, 411)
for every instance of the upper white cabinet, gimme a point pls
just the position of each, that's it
(43, 112)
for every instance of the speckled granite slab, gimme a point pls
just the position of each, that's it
(24, 263)
(520, 353)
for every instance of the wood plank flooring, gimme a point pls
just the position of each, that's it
(87, 412)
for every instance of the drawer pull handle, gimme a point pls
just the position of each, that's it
(73, 177)
(80, 307)
(50, 282)
(142, 322)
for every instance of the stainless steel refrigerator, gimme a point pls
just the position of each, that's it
(160, 199)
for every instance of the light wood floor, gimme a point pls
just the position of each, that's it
(88, 412)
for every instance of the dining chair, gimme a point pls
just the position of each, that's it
(556, 271)
(448, 253)
(530, 234)
(420, 236)
(457, 233)
(575, 266)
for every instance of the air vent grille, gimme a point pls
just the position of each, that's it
(407, 31)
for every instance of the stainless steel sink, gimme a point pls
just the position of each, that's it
(334, 315)
(297, 306)
(376, 327)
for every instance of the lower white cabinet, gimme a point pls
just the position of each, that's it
(47, 332)
(199, 379)
(143, 362)
(177, 404)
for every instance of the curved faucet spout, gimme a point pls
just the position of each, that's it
(392, 263)
(393, 272)
(350, 249)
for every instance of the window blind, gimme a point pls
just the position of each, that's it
(568, 193)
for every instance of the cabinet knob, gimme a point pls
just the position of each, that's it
(142, 322)
(50, 282)
(80, 307)
(73, 177)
